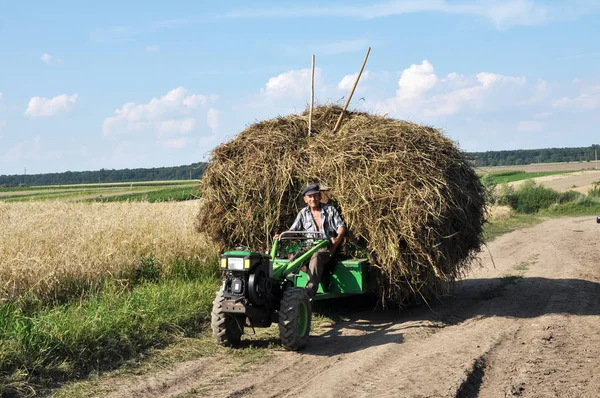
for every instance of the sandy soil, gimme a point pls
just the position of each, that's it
(580, 181)
(523, 325)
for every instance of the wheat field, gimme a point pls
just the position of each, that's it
(51, 247)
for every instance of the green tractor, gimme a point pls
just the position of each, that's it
(260, 289)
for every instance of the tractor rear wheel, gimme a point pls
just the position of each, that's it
(227, 328)
(294, 318)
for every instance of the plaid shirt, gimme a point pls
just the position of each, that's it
(330, 221)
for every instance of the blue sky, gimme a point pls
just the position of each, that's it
(85, 86)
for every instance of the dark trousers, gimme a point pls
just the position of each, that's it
(315, 270)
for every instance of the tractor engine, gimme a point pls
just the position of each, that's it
(247, 288)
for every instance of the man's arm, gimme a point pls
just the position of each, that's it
(297, 225)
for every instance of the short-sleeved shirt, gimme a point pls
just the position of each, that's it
(330, 221)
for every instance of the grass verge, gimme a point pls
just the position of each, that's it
(163, 195)
(502, 177)
(585, 207)
(256, 348)
(41, 348)
(496, 228)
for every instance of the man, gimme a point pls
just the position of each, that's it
(319, 217)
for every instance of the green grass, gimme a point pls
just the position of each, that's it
(496, 228)
(59, 195)
(151, 192)
(501, 177)
(255, 349)
(98, 186)
(162, 195)
(42, 346)
(585, 207)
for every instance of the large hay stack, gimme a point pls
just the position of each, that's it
(410, 197)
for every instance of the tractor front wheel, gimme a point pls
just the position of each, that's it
(294, 318)
(227, 328)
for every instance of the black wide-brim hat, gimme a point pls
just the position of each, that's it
(310, 189)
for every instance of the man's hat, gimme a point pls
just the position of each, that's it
(310, 189)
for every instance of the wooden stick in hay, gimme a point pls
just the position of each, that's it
(337, 124)
(312, 95)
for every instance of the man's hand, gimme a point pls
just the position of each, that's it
(276, 237)
(335, 242)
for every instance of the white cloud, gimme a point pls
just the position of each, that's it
(175, 126)
(176, 143)
(291, 84)
(583, 101)
(153, 48)
(24, 149)
(50, 60)
(541, 93)
(46, 107)
(348, 81)
(529, 126)
(212, 118)
(502, 13)
(588, 99)
(0, 96)
(416, 80)
(169, 114)
(421, 91)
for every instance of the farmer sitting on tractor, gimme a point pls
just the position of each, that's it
(324, 218)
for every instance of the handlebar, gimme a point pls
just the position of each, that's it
(301, 235)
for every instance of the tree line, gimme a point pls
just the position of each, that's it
(196, 170)
(529, 156)
(188, 172)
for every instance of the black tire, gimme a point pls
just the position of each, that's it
(295, 316)
(227, 328)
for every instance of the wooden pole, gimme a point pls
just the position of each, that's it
(312, 96)
(337, 124)
(596, 151)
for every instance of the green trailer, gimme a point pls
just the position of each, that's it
(260, 289)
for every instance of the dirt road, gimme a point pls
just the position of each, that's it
(528, 326)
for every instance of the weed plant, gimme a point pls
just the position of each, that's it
(595, 190)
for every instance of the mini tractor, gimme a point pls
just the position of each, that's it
(260, 289)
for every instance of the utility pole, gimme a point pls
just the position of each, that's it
(596, 151)
(24, 175)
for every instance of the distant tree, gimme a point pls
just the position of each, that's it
(193, 171)
(528, 156)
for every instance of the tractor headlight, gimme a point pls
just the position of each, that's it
(235, 263)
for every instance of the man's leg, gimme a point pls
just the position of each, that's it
(315, 270)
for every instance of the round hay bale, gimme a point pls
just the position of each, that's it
(411, 199)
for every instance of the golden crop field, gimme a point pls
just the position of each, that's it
(46, 247)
